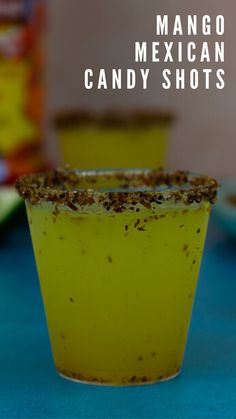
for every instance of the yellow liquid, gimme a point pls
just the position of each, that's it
(113, 148)
(118, 288)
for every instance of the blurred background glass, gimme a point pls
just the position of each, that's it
(113, 139)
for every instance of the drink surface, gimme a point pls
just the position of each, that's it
(118, 288)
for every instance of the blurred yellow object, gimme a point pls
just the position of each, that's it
(113, 141)
(21, 87)
(16, 127)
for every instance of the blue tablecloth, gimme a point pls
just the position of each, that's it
(30, 388)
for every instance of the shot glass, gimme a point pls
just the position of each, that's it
(118, 255)
(113, 140)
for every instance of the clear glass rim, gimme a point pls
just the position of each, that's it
(137, 186)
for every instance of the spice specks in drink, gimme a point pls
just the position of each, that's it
(109, 259)
(185, 247)
(141, 229)
(140, 358)
(71, 300)
(198, 231)
(137, 223)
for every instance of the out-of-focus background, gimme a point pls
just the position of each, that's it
(101, 34)
(79, 35)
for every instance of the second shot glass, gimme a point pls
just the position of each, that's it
(113, 139)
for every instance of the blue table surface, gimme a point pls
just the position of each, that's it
(30, 388)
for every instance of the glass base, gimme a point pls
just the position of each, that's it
(131, 384)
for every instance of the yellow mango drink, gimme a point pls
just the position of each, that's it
(118, 255)
(134, 139)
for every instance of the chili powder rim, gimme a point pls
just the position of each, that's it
(128, 119)
(51, 187)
